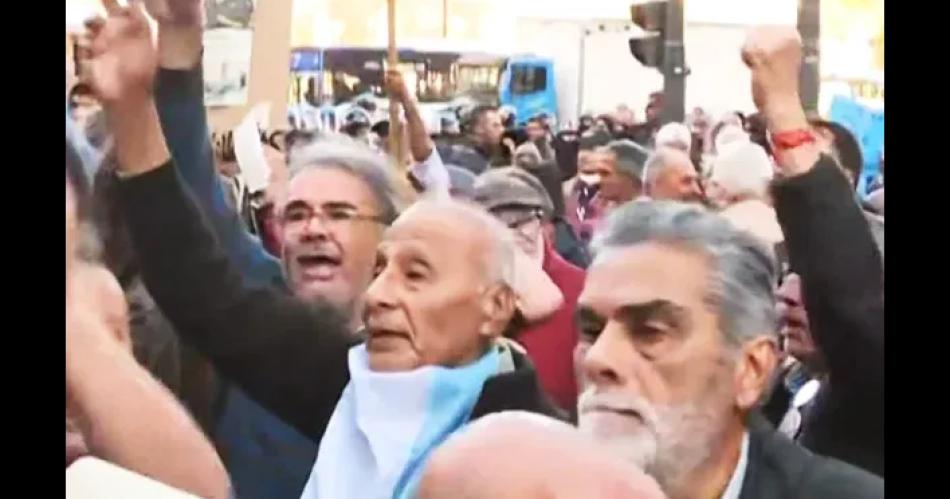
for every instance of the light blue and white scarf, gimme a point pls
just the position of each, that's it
(386, 424)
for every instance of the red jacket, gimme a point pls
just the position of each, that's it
(550, 344)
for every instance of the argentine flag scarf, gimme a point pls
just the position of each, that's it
(385, 425)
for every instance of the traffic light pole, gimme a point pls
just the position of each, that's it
(674, 64)
(809, 27)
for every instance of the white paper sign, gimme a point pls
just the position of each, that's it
(91, 478)
(250, 153)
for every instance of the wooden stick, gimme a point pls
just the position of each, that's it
(395, 125)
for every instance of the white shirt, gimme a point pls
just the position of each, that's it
(433, 175)
(738, 475)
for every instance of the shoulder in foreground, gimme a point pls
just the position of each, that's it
(832, 478)
(779, 467)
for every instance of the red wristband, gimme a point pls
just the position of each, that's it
(783, 141)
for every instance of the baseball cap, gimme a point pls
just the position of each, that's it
(512, 188)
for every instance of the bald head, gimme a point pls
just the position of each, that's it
(485, 234)
(670, 175)
(526, 456)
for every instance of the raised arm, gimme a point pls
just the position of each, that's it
(288, 355)
(828, 239)
(123, 414)
(427, 166)
(127, 417)
(179, 96)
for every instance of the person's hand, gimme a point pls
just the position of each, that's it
(123, 59)
(774, 55)
(180, 28)
(396, 86)
(177, 13)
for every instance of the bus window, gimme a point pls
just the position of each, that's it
(528, 79)
(478, 79)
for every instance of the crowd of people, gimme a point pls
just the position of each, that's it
(625, 309)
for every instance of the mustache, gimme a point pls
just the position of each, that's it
(590, 399)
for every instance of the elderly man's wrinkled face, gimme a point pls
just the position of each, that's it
(678, 181)
(330, 236)
(658, 380)
(435, 300)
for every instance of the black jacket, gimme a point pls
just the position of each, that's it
(289, 355)
(831, 247)
(778, 468)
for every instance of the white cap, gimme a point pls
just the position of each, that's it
(743, 168)
(730, 134)
(674, 135)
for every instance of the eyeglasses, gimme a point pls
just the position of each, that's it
(516, 219)
(298, 216)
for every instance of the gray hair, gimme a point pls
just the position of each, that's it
(742, 280)
(631, 158)
(653, 166)
(656, 163)
(501, 265)
(343, 153)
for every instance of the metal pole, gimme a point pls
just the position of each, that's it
(809, 27)
(674, 64)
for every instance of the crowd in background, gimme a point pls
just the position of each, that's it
(631, 308)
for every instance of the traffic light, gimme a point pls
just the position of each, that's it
(651, 17)
(661, 47)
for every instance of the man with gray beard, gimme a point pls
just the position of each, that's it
(678, 323)
(674, 363)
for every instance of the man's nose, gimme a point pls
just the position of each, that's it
(315, 228)
(380, 293)
(609, 361)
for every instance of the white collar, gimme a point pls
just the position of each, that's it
(738, 475)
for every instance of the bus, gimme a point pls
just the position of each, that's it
(334, 79)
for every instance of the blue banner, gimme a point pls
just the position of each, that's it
(867, 125)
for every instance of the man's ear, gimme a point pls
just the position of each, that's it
(754, 371)
(498, 307)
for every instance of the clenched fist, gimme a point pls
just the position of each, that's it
(396, 86)
(774, 54)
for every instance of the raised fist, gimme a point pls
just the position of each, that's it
(774, 55)
(396, 86)
(123, 59)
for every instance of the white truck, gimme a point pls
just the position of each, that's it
(595, 71)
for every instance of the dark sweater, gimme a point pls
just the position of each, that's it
(780, 469)
(264, 457)
(289, 355)
(830, 246)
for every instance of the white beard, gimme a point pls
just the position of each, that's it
(674, 440)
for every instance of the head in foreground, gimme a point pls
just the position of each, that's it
(443, 289)
(678, 342)
(550, 461)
